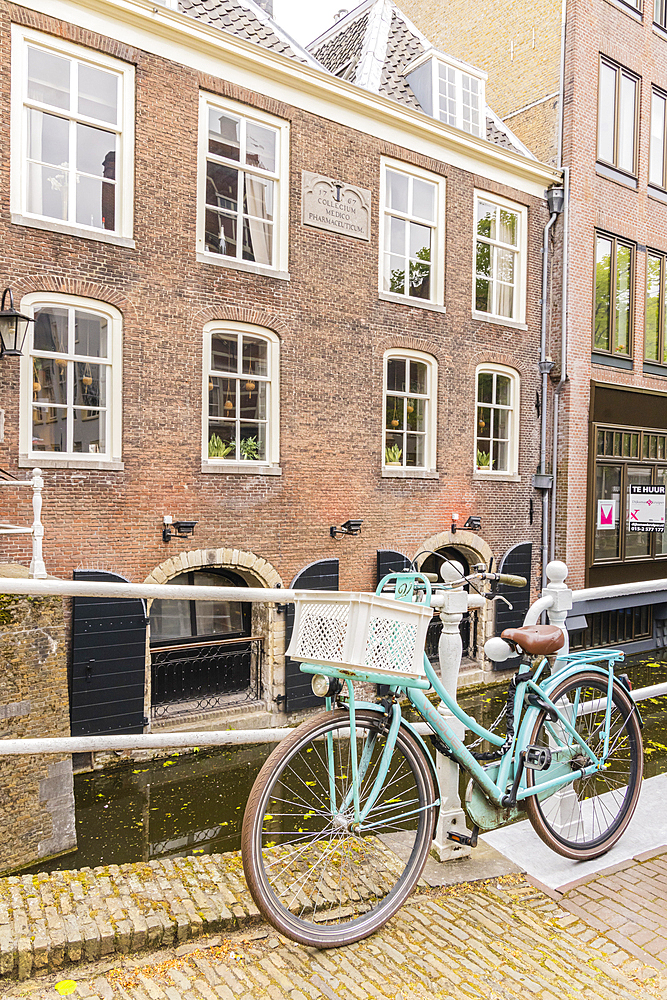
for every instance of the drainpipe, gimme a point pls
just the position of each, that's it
(543, 481)
(563, 361)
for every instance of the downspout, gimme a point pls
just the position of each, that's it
(563, 362)
(542, 480)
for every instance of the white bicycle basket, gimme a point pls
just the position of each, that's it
(362, 631)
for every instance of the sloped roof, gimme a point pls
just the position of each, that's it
(372, 45)
(248, 20)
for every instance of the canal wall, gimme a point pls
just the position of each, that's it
(36, 794)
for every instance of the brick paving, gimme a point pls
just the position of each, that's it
(495, 940)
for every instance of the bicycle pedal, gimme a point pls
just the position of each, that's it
(536, 702)
(469, 840)
(537, 758)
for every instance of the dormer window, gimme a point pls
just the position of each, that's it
(449, 90)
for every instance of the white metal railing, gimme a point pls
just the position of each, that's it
(36, 529)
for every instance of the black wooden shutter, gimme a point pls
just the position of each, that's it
(389, 561)
(322, 575)
(516, 561)
(108, 661)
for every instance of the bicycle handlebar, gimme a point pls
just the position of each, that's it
(511, 581)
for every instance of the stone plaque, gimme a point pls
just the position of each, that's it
(337, 207)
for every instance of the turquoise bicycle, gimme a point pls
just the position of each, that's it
(340, 820)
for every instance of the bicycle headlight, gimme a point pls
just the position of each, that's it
(325, 687)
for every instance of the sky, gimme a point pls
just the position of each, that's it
(304, 20)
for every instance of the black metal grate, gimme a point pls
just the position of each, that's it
(614, 627)
(202, 676)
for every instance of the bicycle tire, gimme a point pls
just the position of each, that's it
(587, 818)
(312, 877)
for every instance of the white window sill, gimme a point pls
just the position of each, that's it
(219, 260)
(389, 473)
(406, 300)
(237, 468)
(514, 324)
(53, 226)
(68, 462)
(497, 477)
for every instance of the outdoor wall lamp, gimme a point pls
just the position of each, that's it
(455, 522)
(473, 523)
(350, 527)
(13, 328)
(182, 529)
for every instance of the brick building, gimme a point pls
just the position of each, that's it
(585, 86)
(267, 298)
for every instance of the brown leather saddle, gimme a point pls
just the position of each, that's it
(537, 640)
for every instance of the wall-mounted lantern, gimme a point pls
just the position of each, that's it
(350, 527)
(177, 529)
(13, 328)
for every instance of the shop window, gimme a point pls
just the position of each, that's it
(496, 424)
(409, 406)
(612, 313)
(241, 389)
(72, 135)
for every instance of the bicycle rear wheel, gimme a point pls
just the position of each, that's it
(585, 818)
(311, 874)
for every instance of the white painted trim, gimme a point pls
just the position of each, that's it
(449, 60)
(206, 49)
(75, 460)
(519, 316)
(273, 403)
(374, 51)
(431, 422)
(20, 37)
(510, 474)
(278, 268)
(438, 261)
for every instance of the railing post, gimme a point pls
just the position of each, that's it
(37, 567)
(452, 816)
(562, 599)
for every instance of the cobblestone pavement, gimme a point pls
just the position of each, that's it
(494, 940)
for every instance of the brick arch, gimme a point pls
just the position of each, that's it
(235, 559)
(411, 343)
(468, 541)
(74, 286)
(487, 357)
(239, 314)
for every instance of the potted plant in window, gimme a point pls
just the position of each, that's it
(249, 448)
(392, 455)
(483, 461)
(217, 448)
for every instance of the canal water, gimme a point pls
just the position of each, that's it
(194, 803)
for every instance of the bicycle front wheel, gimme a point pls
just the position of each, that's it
(313, 875)
(585, 818)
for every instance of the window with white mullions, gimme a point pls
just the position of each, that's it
(411, 207)
(73, 133)
(239, 404)
(407, 416)
(496, 425)
(241, 187)
(71, 381)
(497, 250)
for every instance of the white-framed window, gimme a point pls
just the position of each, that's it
(71, 381)
(72, 137)
(243, 184)
(410, 384)
(500, 258)
(241, 393)
(496, 420)
(412, 237)
(618, 102)
(452, 91)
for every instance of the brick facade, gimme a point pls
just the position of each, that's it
(333, 332)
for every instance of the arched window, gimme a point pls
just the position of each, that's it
(409, 408)
(71, 382)
(241, 392)
(197, 620)
(497, 420)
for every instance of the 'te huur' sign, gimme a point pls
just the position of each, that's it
(337, 207)
(646, 508)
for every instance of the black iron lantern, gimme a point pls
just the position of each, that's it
(13, 328)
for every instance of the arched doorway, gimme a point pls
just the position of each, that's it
(468, 627)
(203, 653)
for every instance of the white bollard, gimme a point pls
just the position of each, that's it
(37, 567)
(451, 817)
